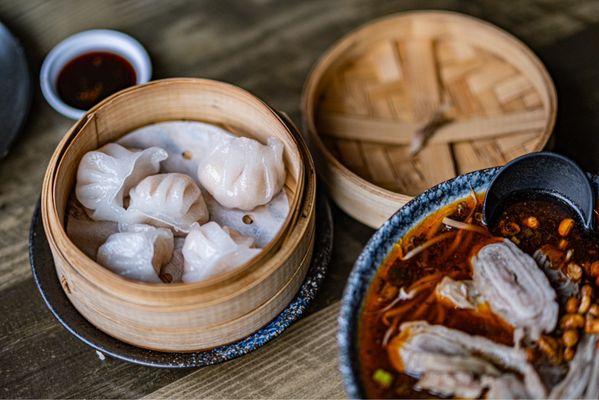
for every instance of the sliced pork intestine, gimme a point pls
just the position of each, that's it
(460, 384)
(582, 379)
(470, 386)
(507, 386)
(515, 288)
(421, 348)
(592, 391)
(462, 294)
(549, 259)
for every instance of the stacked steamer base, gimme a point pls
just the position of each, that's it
(194, 316)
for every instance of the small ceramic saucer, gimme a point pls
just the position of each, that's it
(86, 42)
(47, 282)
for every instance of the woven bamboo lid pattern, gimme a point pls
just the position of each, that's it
(486, 97)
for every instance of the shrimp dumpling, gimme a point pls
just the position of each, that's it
(243, 173)
(105, 175)
(210, 249)
(169, 200)
(137, 253)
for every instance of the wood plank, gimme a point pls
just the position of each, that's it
(451, 72)
(402, 107)
(400, 132)
(489, 76)
(352, 157)
(489, 103)
(422, 76)
(471, 155)
(512, 88)
(435, 163)
(386, 89)
(40, 359)
(300, 364)
(514, 104)
(455, 52)
(532, 99)
(509, 143)
(385, 60)
(408, 178)
(379, 165)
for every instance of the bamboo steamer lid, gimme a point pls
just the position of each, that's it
(482, 93)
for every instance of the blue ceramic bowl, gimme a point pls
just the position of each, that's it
(379, 246)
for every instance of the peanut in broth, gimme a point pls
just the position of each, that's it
(383, 312)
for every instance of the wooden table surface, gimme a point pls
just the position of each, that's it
(267, 47)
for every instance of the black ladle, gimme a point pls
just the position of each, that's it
(537, 175)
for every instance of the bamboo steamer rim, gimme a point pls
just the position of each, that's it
(191, 80)
(303, 226)
(231, 331)
(191, 299)
(157, 288)
(299, 271)
(160, 287)
(353, 38)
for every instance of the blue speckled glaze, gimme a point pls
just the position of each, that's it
(377, 249)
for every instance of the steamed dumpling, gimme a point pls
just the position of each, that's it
(169, 200)
(106, 174)
(210, 250)
(243, 173)
(138, 253)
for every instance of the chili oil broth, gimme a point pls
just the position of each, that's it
(451, 257)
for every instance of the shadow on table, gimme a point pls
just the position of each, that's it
(572, 63)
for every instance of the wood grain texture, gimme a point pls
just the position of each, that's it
(267, 47)
(300, 364)
(406, 78)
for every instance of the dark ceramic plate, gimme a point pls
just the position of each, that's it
(15, 89)
(46, 280)
(377, 249)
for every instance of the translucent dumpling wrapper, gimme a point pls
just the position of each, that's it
(87, 234)
(515, 288)
(187, 144)
(105, 175)
(138, 253)
(243, 173)
(168, 200)
(210, 250)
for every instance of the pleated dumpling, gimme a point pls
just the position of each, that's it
(169, 200)
(137, 253)
(106, 174)
(243, 173)
(210, 249)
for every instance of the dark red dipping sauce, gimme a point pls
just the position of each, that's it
(91, 77)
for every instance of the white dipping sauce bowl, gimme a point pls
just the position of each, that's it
(87, 42)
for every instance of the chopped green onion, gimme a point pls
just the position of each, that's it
(383, 378)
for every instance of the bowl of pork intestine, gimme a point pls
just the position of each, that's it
(439, 304)
(178, 201)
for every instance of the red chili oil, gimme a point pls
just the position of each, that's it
(437, 259)
(90, 78)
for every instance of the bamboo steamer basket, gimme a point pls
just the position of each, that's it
(485, 95)
(200, 315)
